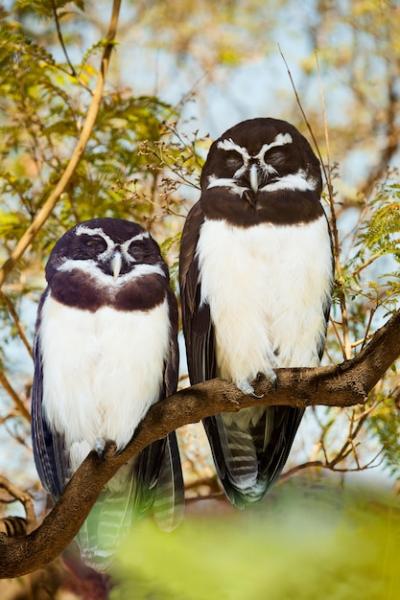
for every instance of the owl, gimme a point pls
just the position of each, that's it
(255, 278)
(105, 351)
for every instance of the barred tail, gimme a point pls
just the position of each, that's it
(109, 521)
(169, 496)
(13, 526)
(249, 456)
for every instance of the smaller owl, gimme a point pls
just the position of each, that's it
(105, 351)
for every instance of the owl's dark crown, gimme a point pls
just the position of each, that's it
(262, 155)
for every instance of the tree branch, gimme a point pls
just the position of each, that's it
(48, 206)
(343, 385)
(61, 38)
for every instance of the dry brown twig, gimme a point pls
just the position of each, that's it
(14, 315)
(24, 498)
(333, 222)
(44, 213)
(20, 406)
(342, 385)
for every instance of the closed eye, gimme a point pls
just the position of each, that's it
(233, 159)
(95, 242)
(139, 251)
(274, 157)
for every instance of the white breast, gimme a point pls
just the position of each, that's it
(101, 371)
(267, 287)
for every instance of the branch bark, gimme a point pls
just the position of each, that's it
(346, 384)
(48, 206)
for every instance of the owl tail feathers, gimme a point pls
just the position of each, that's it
(152, 484)
(249, 457)
(108, 522)
(169, 495)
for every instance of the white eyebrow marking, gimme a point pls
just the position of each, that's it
(82, 229)
(280, 140)
(229, 144)
(136, 238)
(89, 230)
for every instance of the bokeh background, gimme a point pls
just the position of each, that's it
(183, 71)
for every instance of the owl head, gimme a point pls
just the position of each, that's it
(105, 262)
(262, 155)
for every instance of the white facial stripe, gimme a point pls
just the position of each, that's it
(136, 238)
(226, 182)
(107, 254)
(280, 140)
(91, 268)
(295, 181)
(96, 231)
(269, 169)
(230, 145)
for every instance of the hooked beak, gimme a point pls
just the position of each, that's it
(254, 178)
(116, 264)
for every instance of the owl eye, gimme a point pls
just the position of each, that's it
(139, 251)
(95, 242)
(233, 159)
(274, 157)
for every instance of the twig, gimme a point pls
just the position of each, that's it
(61, 38)
(371, 316)
(392, 140)
(20, 496)
(307, 465)
(48, 206)
(338, 338)
(17, 322)
(335, 233)
(316, 145)
(14, 396)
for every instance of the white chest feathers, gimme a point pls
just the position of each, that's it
(267, 287)
(101, 371)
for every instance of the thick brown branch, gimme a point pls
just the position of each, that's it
(48, 206)
(346, 384)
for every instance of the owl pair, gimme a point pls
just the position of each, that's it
(255, 279)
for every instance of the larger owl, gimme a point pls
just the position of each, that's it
(255, 277)
(105, 351)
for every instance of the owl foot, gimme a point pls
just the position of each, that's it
(99, 446)
(247, 389)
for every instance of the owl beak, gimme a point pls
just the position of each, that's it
(254, 178)
(116, 264)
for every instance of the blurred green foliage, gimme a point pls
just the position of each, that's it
(299, 546)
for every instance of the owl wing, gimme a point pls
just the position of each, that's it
(200, 340)
(48, 447)
(230, 449)
(158, 468)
